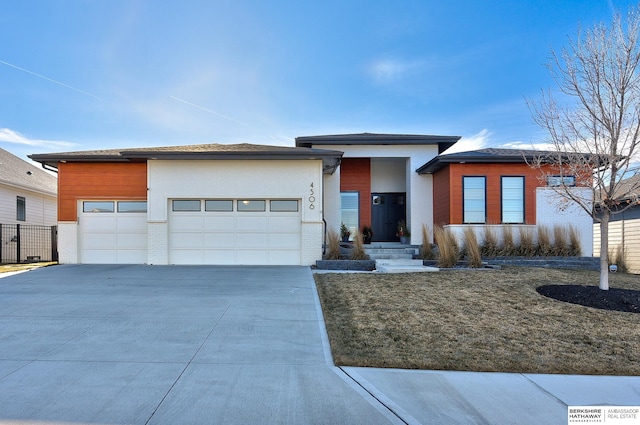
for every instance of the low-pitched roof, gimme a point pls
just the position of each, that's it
(443, 142)
(18, 173)
(243, 151)
(488, 155)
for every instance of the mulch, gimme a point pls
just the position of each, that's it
(615, 299)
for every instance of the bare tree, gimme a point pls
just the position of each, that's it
(593, 121)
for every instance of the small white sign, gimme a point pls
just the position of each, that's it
(615, 415)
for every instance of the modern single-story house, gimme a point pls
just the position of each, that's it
(244, 204)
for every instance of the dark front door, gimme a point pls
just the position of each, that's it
(387, 209)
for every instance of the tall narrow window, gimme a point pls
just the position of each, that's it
(21, 209)
(349, 211)
(512, 192)
(474, 200)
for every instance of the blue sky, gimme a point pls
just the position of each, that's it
(101, 74)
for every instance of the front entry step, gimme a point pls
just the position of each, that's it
(402, 266)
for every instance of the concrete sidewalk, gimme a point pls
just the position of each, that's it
(200, 345)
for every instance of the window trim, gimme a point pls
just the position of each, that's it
(524, 201)
(484, 178)
(21, 208)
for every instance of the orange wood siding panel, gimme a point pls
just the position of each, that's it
(83, 180)
(493, 172)
(442, 197)
(355, 176)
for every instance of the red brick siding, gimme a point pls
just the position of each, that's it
(355, 176)
(79, 180)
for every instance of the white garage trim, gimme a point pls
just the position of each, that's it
(112, 232)
(235, 231)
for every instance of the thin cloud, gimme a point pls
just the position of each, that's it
(10, 136)
(207, 110)
(529, 146)
(471, 143)
(389, 70)
(51, 80)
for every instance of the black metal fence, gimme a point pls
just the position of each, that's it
(23, 243)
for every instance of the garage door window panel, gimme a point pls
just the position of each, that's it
(186, 205)
(287, 205)
(98, 206)
(218, 205)
(132, 206)
(252, 205)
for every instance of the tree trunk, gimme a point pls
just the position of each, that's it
(604, 251)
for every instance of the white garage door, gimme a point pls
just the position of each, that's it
(230, 231)
(113, 232)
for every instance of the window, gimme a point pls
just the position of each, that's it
(284, 205)
(512, 192)
(218, 205)
(132, 206)
(98, 206)
(21, 208)
(561, 181)
(186, 205)
(252, 205)
(349, 210)
(474, 199)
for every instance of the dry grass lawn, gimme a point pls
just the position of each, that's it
(477, 320)
(5, 268)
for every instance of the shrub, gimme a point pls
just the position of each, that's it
(545, 247)
(358, 252)
(471, 248)
(447, 247)
(333, 246)
(574, 242)
(490, 246)
(426, 250)
(560, 241)
(527, 245)
(508, 246)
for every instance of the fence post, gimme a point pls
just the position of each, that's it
(17, 244)
(0, 243)
(54, 243)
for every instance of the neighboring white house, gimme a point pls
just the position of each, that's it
(624, 228)
(28, 207)
(28, 194)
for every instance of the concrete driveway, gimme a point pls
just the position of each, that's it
(205, 345)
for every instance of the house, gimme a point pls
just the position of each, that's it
(499, 187)
(376, 184)
(624, 227)
(27, 211)
(247, 204)
(197, 204)
(27, 193)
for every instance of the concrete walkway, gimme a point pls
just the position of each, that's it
(204, 345)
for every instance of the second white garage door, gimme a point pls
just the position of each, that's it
(234, 231)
